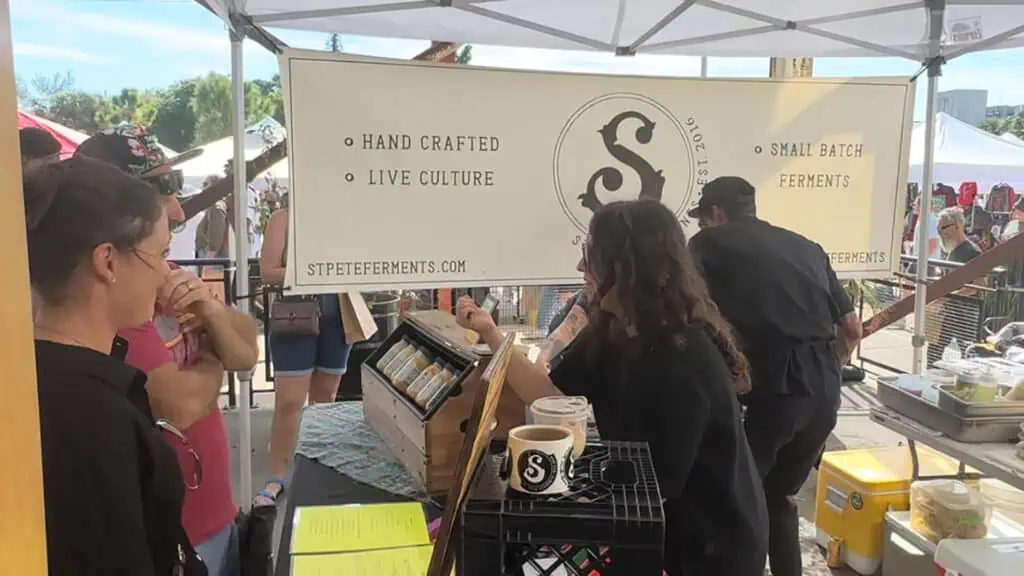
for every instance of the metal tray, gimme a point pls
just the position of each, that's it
(969, 430)
(954, 405)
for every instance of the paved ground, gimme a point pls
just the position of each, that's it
(854, 430)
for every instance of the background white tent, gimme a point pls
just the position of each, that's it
(966, 153)
(1011, 137)
(216, 155)
(929, 31)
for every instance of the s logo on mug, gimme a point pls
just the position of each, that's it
(539, 459)
(537, 470)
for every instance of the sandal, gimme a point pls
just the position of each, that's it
(267, 498)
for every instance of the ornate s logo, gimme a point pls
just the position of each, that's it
(569, 465)
(624, 146)
(537, 470)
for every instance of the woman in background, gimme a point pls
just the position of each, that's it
(303, 365)
(97, 243)
(659, 365)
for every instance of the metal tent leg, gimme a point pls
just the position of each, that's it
(241, 250)
(936, 14)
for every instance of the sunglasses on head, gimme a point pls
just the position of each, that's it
(168, 184)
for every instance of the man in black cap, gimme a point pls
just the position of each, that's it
(797, 327)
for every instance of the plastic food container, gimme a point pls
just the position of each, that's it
(976, 386)
(939, 376)
(1005, 498)
(941, 509)
(569, 411)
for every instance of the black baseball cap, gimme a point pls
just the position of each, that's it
(726, 192)
(135, 151)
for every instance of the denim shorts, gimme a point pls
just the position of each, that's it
(220, 552)
(297, 356)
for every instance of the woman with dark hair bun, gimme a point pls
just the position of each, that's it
(97, 243)
(38, 147)
(659, 365)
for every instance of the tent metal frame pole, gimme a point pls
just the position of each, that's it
(924, 219)
(703, 66)
(936, 18)
(241, 203)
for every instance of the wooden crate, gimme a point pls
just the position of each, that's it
(428, 443)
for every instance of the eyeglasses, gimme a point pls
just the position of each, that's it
(196, 474)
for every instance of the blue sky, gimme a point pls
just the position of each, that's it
(111, 44)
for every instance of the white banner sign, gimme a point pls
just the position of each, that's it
(420, 175)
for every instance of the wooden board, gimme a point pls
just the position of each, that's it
(473, 449)
(979, 266)
(22, 529)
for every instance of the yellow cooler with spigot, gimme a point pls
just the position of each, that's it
(855, 490)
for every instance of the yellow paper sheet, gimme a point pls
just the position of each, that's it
(321, 529)
(391, 562)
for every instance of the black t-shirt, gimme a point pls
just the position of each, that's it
(779, 291)
(963, 252)
(112, 485)
(681, 401)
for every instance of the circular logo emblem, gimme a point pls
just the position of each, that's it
(856, 500)
(537, 470)
(623, 146)
(569, 465)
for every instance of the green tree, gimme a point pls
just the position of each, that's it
(212, 106)
(993, 125)
(118, 108)
(1015, 125)
(24, 93)
(465, 54)
(45, 88)
(273, 99)
(186, 114)
(257, 104)
(76, 110)
(174, 121)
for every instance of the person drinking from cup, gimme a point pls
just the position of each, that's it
(190, 339)
(659, 365)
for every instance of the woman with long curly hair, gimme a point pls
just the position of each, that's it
(660, 365)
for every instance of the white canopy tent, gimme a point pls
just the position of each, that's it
(1011, 137)
(928, 31)
(964, 153)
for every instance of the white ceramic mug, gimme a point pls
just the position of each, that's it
(539, 459)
